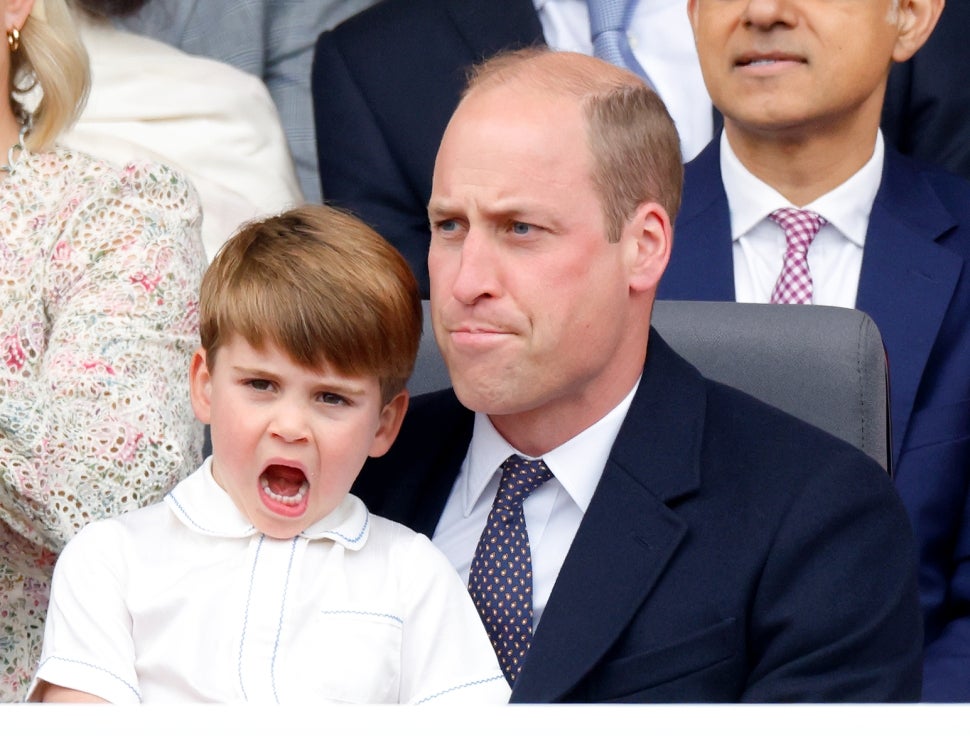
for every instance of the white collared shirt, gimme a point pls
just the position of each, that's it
(184, 601)
(663, 42)
(552, 513)
(835, 256)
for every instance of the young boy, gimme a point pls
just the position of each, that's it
(259, 578)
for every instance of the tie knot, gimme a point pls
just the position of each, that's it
(800, 226)
(606, 15)
(520, 477)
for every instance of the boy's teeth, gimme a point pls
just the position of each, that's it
(287, 500)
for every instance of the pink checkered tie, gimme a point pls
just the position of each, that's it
(794, 285)
(500, 580)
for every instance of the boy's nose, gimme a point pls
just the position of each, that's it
(289, 426)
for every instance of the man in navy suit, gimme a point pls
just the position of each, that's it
(689, 543)
(386, 81)
(801, 87)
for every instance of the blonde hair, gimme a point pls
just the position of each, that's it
(324, 288)
(631, 136)
(52, 59)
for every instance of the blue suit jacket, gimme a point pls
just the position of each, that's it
(713, 563)
(915, 284)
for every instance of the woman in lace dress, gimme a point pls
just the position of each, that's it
(99, 275)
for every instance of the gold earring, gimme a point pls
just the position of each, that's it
(13, 40)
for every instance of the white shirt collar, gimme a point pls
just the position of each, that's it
(846, 207)
(577, 463)
(207, 509)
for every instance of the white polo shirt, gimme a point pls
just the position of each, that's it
(184, 601)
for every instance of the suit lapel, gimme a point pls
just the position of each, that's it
(701, 263)
(628, 534)
(907, 279)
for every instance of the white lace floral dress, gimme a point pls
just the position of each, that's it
(99, 276)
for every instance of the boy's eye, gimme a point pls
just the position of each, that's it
(259, 384)
(330, 398)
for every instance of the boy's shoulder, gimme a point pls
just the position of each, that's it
(403, 547)
(115, 540)
(386, 533)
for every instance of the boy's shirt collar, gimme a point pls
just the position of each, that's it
(203, 506)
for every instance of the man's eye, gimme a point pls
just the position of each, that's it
(447, 226)
(521, 228)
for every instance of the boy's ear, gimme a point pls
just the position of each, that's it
(200, 385)
(389, 424)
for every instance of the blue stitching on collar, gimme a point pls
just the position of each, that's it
(352, 540)
(193, 522)
(460, 687)
(95, 667)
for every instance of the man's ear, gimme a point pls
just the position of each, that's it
(200, 386)
(650, 234)
(389, 424)
(915, 21)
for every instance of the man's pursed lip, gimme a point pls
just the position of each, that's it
(475, 336)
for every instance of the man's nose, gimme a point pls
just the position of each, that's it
(477, 274)
(766, 14)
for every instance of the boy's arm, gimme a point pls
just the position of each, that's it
(47, 693)
(88, 645)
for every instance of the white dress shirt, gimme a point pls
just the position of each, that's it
(835, 256)
(553, 511)
(663, 42)
(184, 601)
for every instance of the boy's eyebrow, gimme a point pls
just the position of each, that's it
(341, 384)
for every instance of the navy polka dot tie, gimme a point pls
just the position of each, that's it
(500, 581)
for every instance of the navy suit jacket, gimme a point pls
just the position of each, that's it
(915, 284)
(713, 563)
(926, 114)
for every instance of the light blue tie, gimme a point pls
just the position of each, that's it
(608, 23)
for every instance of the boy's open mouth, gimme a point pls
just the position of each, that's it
(284, 484)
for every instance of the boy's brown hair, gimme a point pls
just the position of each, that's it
(323, 287)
